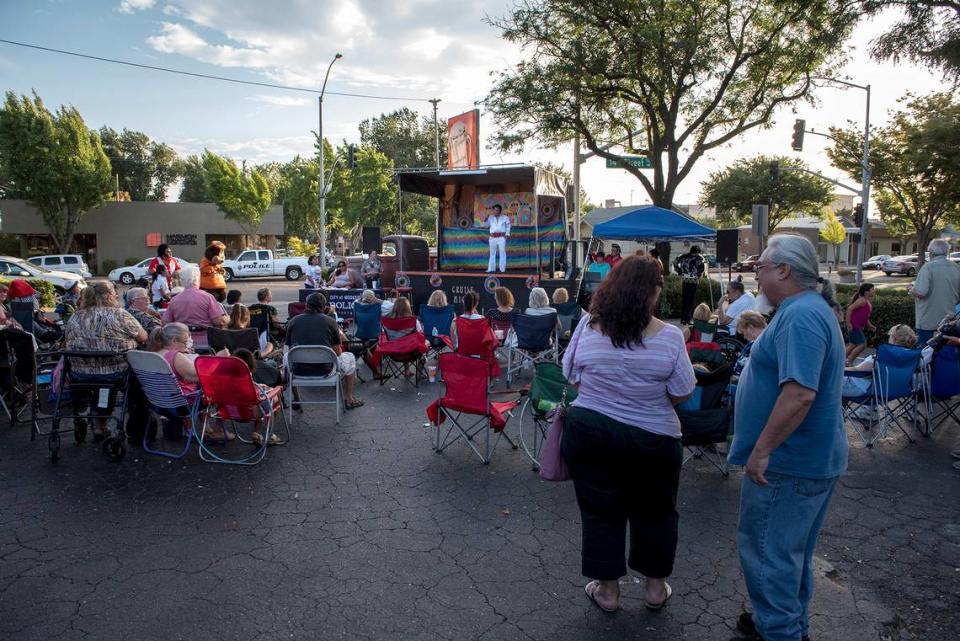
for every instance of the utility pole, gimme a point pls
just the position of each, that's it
(865, 197)
(436, 133)
(321, 178)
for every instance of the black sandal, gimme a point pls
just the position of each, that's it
(352, 405)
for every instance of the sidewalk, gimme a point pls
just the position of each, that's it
(360, 531)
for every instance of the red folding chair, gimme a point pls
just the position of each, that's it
(400, 346)
(475, 338)
(467, 392)
(231, 395)
(295, 308)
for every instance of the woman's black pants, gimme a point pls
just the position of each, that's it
(688, 296)
(623, 474)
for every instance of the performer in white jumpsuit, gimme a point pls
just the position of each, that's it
(499, 232)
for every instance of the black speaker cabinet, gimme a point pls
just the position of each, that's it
(371, 240)
(728, 241)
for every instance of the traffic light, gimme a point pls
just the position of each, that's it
(351, 156)
(797, 141)
(858, 214)
(774, 170)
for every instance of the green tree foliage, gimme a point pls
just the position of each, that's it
(272, 172)
(54, 162)
(145, 168)
(832, 232)
(928, 32)
(195, 188)
(734, 190)
(241, 195)
(366, 194)
(689, 75)
(301, 208)
(915, 160)
(405, 137)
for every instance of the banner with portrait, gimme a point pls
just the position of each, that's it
(463, 141)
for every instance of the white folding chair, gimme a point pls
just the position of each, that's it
(313, 355)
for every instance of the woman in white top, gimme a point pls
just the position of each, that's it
(314, 273)
(160, 288)
(470, 303)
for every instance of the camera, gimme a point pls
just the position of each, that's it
(949, 327)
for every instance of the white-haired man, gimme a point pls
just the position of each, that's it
(193, 306)
(789, 432)
(936, 290)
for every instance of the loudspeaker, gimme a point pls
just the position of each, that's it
(550, 209)
(728, 241)
(371, 240)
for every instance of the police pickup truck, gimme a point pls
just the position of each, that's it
(263, 262)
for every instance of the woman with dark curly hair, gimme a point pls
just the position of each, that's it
(621, 440)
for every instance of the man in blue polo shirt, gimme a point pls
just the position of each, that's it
(789, 433)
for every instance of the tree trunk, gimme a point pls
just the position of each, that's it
(922, 238)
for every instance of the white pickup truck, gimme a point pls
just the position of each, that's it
(262, 262)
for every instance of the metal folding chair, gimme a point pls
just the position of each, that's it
(467, 393)
(303, 363)
(535, 342)
(166, 398)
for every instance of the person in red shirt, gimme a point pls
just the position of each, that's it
(613, 258)
(165, 254)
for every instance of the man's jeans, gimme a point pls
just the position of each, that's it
(779, 526)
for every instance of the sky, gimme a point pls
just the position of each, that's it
(406, 51)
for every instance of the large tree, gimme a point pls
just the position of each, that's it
(301, 208)
(915, 160)
(405, 137)
(689, 76)
(928, 32)
(242, 195)
(145, 168)
(54, 162)
(366, 195)
(195, 189)
(734, 190)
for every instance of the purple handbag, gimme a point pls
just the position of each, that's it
(552, 466)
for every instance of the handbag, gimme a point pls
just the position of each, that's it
(552, 466)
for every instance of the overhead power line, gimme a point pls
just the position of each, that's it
(207, 76)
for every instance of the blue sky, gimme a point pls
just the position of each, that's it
(411, 49)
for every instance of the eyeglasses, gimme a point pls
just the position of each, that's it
(762, 265)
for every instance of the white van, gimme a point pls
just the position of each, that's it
(72, 263)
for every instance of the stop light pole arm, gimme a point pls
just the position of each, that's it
(822, 177)
(852, 152)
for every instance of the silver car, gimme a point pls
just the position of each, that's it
(11, 267)
(72, 263)
(902, 265)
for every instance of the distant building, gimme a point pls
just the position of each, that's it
(118, 231)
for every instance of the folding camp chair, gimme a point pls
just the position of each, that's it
(568, 314)
(897, 385)
(295, 308)
(233, 339)
(943, 393)
(166, 398)
(313, 366)
(401, 346)
(467, 393)
(703, 331)
(535, 342)
(704, 421)
(436, 322)
(8, 365)
(548, 389)
(231, 395)
(366, 332)
(475, 338)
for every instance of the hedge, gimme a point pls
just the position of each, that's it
(890, 307)
(671, 296)
(45, 290)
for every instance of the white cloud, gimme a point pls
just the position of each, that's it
(130, 6)
(279, 101)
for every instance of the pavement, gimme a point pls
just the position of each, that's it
(360, 531)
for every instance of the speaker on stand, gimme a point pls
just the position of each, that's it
(728, 248)
(371, 240)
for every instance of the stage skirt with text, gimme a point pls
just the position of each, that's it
(469, 249)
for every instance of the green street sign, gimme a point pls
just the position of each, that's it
(638, 162)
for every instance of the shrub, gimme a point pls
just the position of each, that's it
(890, 307)
(671, 296)
(129, 262)
(297, 247)
(45, 291)
(107, 266)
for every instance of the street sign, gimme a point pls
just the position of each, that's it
(760, 220)
(638, 162)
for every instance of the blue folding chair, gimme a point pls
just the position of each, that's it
(167, 400)
(535, 342)
(897, 389)
(943, 392)
(436, 323)
(366, 330)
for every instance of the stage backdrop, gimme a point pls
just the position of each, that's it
(520, 207)
(469, 248)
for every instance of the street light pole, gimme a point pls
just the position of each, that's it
(436, 133)
(321, 178)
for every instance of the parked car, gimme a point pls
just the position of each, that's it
(129, 274)
(747, 265)
(262, 262)
(11, 267)
(72, 263)
(874, 262)
(901, 265)
(711, 260)
(954, 257)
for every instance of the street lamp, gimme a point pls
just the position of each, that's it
(322, 180)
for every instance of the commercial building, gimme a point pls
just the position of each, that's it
(119, 232)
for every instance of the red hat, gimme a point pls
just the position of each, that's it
(20, 289)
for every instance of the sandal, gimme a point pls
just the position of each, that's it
(257, 439)
(219, 435)
(659, 606)
(591, 591)
(354, 404)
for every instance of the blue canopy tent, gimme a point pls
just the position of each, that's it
(651, 223)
